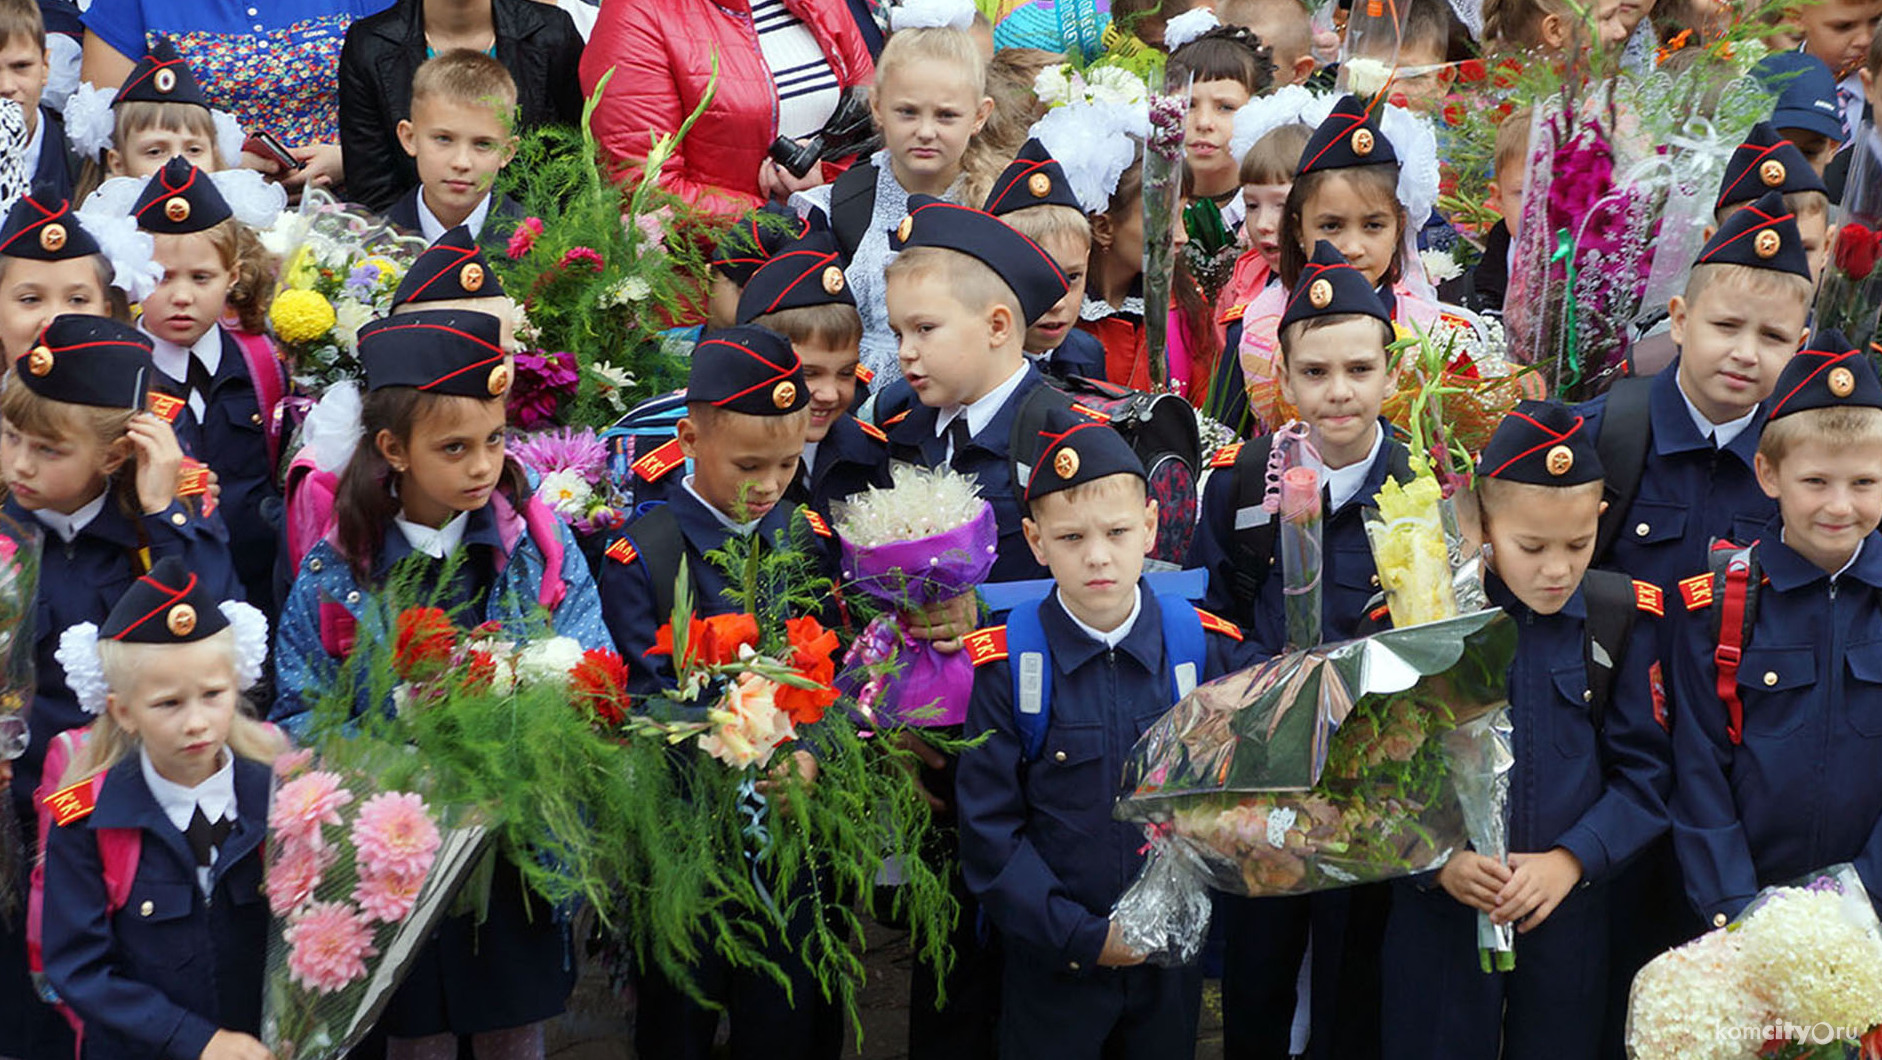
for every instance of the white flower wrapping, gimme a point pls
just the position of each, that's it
(77, 654)
(921, 502)
(1095, 141)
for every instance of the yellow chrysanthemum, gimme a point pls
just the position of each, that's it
(301, 316)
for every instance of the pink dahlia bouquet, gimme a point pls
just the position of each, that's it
(357, 876)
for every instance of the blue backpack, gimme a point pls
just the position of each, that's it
(1185, 650)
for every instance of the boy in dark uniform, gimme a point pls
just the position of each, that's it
(1038, 845)
(1034, 197)
(1333, 334)
(1588, 789)
(1780, 687)
(801, 294)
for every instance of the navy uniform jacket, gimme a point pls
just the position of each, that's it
(1689, 494)
(1802, 791)
(1081, 354)
(160, 976)
(499, 222)
(627, 598)
(852, 457)
(56, 172)
(1599, 795)
(910, 427)
(1349, 578)
(1038, 845)
(81, 582)
(232, 439)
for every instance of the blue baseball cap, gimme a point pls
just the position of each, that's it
(1806, 93)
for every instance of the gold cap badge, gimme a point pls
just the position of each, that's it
(177, 210)
(1320, 293)
(499, 380)
(833, 280)
(1842, 382)
(52, 238)
(1772, 173)
(783, 394)
(471, 277)
(39, 362)
(906, 228)
(1362, 142)
(165, 81)
(1040, 185)
(1559, 460)
(1066, 463)
(181, 620)
(1767, 243)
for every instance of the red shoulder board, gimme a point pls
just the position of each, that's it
(622, 551)
(1379, 614)
(166, 407)
(897, 418)
(873, 431)
(1649, 598)
(865, 376)
(74, 803)
(1226, 456)
(1090, 413)
(1232, 314)
(194, 481)
(662, 460)
(817, 525)
(1697, 592)
(985, 645)
(1216, 624)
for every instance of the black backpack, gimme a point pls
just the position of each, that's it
(852, 204)
(1626, 432)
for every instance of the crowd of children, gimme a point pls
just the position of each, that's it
(952, 300)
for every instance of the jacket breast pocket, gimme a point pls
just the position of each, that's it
(1571, 717)
(242, 425)
(1651, 523)
(155, 927)
(1068, 778)
(1776, 685)
(1864, 694)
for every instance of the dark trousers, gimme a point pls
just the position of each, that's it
(1648, 914)
(767, 1023)
(1140, 1013)
(1266, 940)
(964, 1027)
(1442, 1006)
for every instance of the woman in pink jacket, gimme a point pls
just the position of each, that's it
(783, 65)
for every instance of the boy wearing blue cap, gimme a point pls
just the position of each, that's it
(1678, 446)
(1337, 371)
(1807, 112)
(1778, 685)
(1038, 845)
(1588, 788)
(801, 293)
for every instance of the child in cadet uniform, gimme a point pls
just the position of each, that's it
(50, 265)
(1767, 162)
(1777, 778)
(1588, 789)
(1695, 427)
(460, 135)
(83, 460)
(158, 113)
(745, 246)
(961, 295)
(1038, 845)
(747, 404)
(802, 294)
(1336, 371)
(1035, 199)
(232, 391)
(172, 965)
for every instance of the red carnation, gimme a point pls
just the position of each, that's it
(423, 639)
(600, 684)
(1471, 70)
(811, 649)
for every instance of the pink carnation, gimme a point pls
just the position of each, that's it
(585, 256)
(296, 872)
(304, 804)
(328, 947)
(293, 762)
(523, 240)
(388, 897)
(394, 835)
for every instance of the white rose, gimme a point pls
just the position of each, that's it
(1114, 84)
(1440, 266)
(1052, 85)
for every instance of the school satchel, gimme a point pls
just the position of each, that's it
(643, 447)
(1161, 430)
(1728, 592)
(852, 205)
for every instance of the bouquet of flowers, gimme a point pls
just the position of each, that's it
(571, 463)
(927, 538)
(1163, 186)
(340, 267)
(20, 545)
(1850, 296)
(1314, 770)
(1797, 975)
(357, 875)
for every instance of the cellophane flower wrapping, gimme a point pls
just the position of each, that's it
(928, 537)
(1163, 186)
(1312, 771)
(20, 547)
(1411, 551)
(1797, 974)
(358, 874)
(1296, 481)
(1483, 751)
(1850, 295)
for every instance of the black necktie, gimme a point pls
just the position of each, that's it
(961, 438)
(200, 380)
(204, 838)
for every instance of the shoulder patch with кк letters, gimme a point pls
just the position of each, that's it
(817, 525)
(655, 465)
(897, 418)
(1225, 456)
(1218, 624)
(622, 551)
(1649, 598)
(1696, 591)
(166, 407)
(985, 645)
(74, 803)
(873, 431)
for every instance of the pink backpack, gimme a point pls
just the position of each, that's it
(270, 382)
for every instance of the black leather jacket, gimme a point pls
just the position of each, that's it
(536, 42)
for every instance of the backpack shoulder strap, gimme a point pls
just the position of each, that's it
(1622, 446)
(1185, 645)
(264, 372)
(545, 530)
(852, 204)
(1736, 580)
(1612, 602)
(118, 852)
(1398, 461)
(658, 543)
(1032, 677)
(1251, 544)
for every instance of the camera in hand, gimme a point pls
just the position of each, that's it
(850, 131)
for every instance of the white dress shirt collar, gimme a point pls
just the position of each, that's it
(1344, 482)
(434, 229)
(68, 526)
(436, 542)
(1116, 636)
(980, 413)
(741, 529)
(174, 361)
(1722, 434)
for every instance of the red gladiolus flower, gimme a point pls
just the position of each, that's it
(423, 639)
(1855, 250)
(712, 642)
(811, 649)
(1453, 114)
(599, 682)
